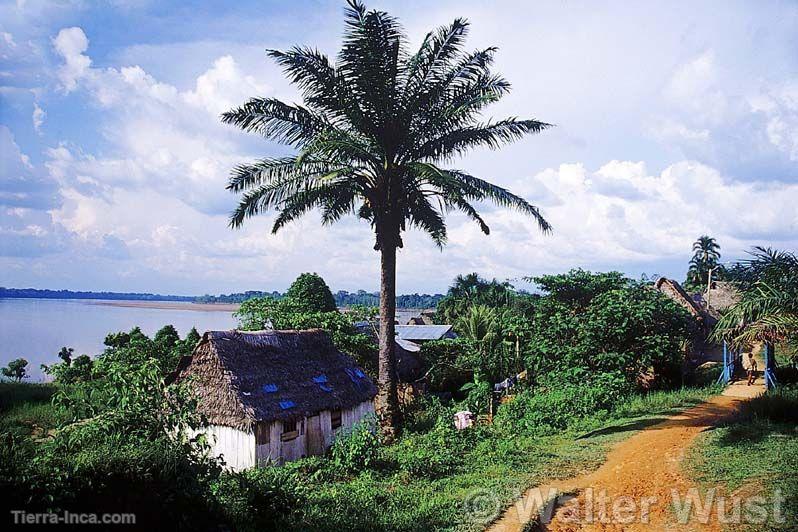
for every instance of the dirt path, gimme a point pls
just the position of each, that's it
(632, 490)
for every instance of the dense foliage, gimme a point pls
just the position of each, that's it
(300, 310)
(309, 293)
(471, 289)
(590, 324)
(582, 328)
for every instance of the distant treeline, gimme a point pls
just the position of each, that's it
(342, 297)
(30, 293)
(236, 298)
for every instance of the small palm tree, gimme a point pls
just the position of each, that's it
(372, 135)
(706, 254)
(706, 249)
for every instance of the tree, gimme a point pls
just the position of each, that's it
(66, 355)
(309, 293)
(768, 307)
(268, 313)
(706, 254)
(469, 290)
(16, 369)
(372, 135)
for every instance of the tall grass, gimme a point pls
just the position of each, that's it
(25, 409)
(663, 402)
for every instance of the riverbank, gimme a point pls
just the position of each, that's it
(171, 305)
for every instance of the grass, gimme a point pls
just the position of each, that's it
(755, 454)
(433, 479)
(488, 477)
(25, 409)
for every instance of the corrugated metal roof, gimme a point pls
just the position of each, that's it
(422, 332)
(407, 345)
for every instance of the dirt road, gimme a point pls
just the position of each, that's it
(634, 488)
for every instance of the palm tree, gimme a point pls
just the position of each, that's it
(471, 289)
(768, 308)
(706, 249)
(706, 254)
(372, 135)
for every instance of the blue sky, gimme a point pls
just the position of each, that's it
(674, 119)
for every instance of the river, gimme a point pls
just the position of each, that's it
(36, 329)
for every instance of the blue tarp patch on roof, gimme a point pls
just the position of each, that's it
(285, 405)
(325, 387)
(269, 388)
(355, 375)
(320, 379)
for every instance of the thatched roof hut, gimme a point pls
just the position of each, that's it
(246, 377)
(425, 317)
(722, 295)
(674, 291)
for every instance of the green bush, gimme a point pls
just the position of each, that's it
(559, 405)
(356, 448)
(266, 498)
(429, 455)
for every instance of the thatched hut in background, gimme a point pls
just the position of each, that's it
(274, 396)
(676, 293)
(425, 317)
(721, 295)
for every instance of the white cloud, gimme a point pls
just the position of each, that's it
(224, 86)
(70, 43)
(38, 117)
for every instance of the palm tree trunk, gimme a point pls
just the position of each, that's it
(387, 400)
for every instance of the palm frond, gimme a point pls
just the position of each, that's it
(289, 124)
(503, 198)
(491, 135)
(269, 170)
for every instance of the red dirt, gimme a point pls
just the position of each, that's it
(646, 465)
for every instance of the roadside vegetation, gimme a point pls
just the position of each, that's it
(756, 454)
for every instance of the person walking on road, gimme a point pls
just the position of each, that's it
(752, 368)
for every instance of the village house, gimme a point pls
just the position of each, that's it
(424, 333)
(721, 295)
(425, 317)
(274, 396)
(676, 293)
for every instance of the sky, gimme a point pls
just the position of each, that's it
(673, 119)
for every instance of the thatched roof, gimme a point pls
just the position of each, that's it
(242, 377)
(722, 295)
(674, 290)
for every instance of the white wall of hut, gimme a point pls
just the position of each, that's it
(275, 442)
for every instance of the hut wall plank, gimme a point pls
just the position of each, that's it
(314, 435)
(276, 444)
(236, 447)
(326, 428)
(296, 448)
